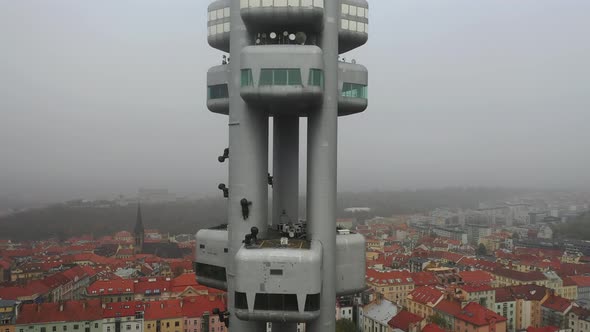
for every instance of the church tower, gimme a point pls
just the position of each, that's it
(138, 232)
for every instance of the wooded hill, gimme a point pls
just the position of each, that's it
(66, 220)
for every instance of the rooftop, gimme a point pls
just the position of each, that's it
(426, 295)
(478, 315)
(557, 303)
(404, 319)
(381, 311)
(90, 310)
(432, 328)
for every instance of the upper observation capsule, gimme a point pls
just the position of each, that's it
(354, 25)
(301, 15)
(218, 24)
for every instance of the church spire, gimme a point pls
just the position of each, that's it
(139, 221)
(138, 232)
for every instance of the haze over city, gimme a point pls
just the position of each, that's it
(102, 98)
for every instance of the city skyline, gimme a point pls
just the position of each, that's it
(104, 101)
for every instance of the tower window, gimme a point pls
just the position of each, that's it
(217, 91)
(354, 90)
(246, 77)
(241, 301)
(316, 77)
(280, 77)
(281, 302)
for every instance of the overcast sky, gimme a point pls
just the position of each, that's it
(103, 97)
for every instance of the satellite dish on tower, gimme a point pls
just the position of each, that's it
(301, 38)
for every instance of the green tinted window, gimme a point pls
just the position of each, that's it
(247, 79)
(218, 91)
(354, 90)
(280, 76)
(294, 76)
(316, 77)
(266, 76)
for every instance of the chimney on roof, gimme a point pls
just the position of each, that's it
(162, 305)
(61, 306)
(38, 307)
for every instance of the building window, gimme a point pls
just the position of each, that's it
(316, 77)
(218, 91)
(354, 90)
(280, 77)
(76, 327)
(65, 328)
(246, 77)
(128, 327)
(54, 329)
(42, 329)
(176, 324)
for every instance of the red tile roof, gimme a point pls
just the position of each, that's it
(478, 315)
(542, 329)
(152, 286)
(473, 288)
(503, 294)
(450, 308)
(479, 264)
(557, 303)
(426, 295)
(528, 292)
(432, 328)
(520, 276)
(167, 309)
(391, 277)
(476, 277)
(424, 279)
(122, 309)
(71, 311)
(581, 281)
(76, 273)
(110, 287)
(4, 264)
(571, 269)
(580, 312)
(33, 290)
(197, 305)
(404, 319)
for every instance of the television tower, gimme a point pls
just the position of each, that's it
(284, 62)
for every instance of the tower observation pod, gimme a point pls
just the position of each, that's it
(283, 62)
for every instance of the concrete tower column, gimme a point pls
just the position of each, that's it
(248, 166)
(285, 190)
(321, 169)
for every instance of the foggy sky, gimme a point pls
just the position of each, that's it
(103, 97)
